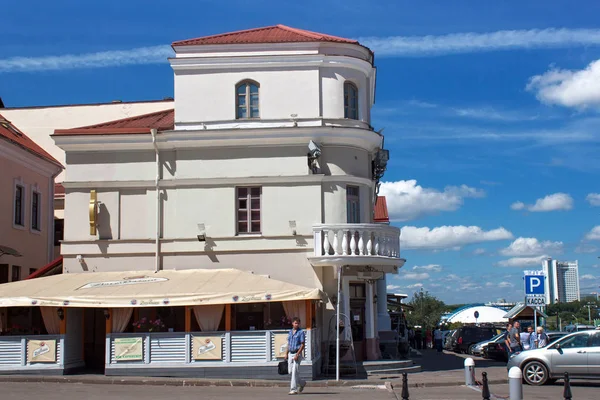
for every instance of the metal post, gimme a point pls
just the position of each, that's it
(485, 390)
(337, 325)
(469, 372)
(515, 384)
(534, 319)
(405, 386)
(567, 391)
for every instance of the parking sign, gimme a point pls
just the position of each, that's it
(535, 288)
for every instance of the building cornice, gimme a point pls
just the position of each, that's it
(201, 138)
(219, 182)
(28, 160)
(183, 64)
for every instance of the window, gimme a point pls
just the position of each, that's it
(3, 273)
(19, 209)
(59, 231)
(595, 340)
(353, 204)
(36, 211)
(248, 210)
(247, 100)
(16, 273)
(575, 342)
(31, 271)
(350, 100)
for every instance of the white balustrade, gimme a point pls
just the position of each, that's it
(357, 240)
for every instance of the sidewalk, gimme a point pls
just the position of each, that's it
(438, 370)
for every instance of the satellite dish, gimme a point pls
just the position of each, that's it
(5, 250)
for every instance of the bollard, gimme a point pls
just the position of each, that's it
(405, 386)
(469, 372)
(567, 392)
(515, 384)
(485, 390)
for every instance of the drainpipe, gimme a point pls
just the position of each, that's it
(153, 132)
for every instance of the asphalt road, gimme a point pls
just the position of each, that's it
(74, 391)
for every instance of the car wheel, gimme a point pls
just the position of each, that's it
(535, 373)
(470, 351)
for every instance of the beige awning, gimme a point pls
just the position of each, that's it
(149, 289)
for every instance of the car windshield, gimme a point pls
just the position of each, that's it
(497, 337)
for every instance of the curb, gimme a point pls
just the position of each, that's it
(179, 382)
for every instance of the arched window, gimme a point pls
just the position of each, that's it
(350, 100)
(247, 100)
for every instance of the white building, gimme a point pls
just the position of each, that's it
(562, 281)
(267, 164)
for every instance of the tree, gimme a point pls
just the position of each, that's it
(426, 310)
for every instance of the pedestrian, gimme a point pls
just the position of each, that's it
(507, 340)
(514, 339)
(293, 354)
(532, 339)
(429, 340)
(525, 344)
(419, 337)
(542, 338)
(411, 338)
(437, 337)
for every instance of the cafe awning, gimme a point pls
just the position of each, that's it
(149, 289)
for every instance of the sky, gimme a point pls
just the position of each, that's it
(490, 110)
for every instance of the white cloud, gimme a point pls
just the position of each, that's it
(522, 261)
(578, 89)
(593, 199)
(594, 234)
(452, 277)
(587, 277)
(406, 200)
(430, 268)
(449, 237)
(505, 285)
(472, 42)
(519, 205)
(531, 247)
(552, 202)
(435, 285)
(414, 276)
(414, 286)
(116, 58)
(489, 284)
(479, 252)
(470, 286)
(392, 287)
(586, 248)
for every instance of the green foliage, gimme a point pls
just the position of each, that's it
(427, 310)
(573, 312)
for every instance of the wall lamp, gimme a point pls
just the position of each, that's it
(61, 313)
(375, 299)
(106, 313)
(293, 227)
(201, 233)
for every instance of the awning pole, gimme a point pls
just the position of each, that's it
(337, 341)
(156, 185)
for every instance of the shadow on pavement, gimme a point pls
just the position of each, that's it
(431, 360)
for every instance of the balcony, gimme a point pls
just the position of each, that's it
(357, 244)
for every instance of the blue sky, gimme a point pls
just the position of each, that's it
(484, 105)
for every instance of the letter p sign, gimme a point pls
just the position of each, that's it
(534, 284)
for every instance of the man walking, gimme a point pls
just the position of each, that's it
(296, 341)
(507, 339)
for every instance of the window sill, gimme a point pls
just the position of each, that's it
(19, 227)
(35, 231)
(250, 235)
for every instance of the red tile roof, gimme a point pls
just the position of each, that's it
(12, 134)
(268, 34)
(53, 268)
(381, 211)
(59, 190)
(161, 120)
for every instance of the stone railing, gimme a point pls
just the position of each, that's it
(355, 240)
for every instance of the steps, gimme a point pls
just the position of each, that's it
(390, 367)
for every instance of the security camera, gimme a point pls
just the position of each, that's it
(314, 149)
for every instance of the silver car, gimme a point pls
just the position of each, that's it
(577, 353)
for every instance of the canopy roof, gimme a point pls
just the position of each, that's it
(519, 309)
(149, 289)
(486, 315)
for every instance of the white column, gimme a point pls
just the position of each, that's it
(369, 311)
(384, 323)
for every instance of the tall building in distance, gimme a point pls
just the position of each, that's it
(562, 281)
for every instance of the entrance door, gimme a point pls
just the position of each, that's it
(357, 321)
(94, 346)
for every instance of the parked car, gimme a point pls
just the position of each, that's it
(450, 339)
(496, 349)
(577, 353)
(578, 328)
(478, 349)
(468, 336)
